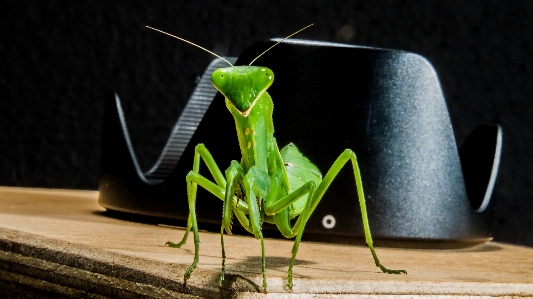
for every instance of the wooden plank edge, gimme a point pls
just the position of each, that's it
(75, 193)
(73, 266)
(82, 267)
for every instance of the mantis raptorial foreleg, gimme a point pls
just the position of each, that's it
(232, 174)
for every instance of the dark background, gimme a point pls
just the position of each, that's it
(57, 59)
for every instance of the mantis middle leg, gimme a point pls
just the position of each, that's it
(193, 180)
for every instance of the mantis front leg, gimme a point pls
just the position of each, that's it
(256, 185)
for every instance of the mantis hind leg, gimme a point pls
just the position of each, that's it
(349, 155)
(282, 221)
(299, 228)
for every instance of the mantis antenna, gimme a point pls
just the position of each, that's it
(191, 43)
(282, 41)
(213, 53)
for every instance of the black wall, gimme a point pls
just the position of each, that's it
(57, 58)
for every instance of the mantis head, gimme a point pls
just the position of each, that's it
(242, 85)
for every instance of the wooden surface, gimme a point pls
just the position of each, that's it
(62, 242)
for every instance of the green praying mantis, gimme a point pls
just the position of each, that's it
(268, 184)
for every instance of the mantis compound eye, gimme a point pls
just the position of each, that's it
(220, 78)
(263, 78)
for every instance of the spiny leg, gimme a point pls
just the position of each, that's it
(349, 155)
(221, 277)
(256, 181)
(233, 173)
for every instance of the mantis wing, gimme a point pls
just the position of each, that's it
(300, 170)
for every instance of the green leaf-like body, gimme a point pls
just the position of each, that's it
(300, 170)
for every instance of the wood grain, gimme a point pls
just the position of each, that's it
(62, 241)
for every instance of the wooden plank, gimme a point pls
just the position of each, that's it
(64, 242)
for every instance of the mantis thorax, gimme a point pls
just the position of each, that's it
(242, 85)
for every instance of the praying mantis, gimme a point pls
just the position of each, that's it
(268, 184)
